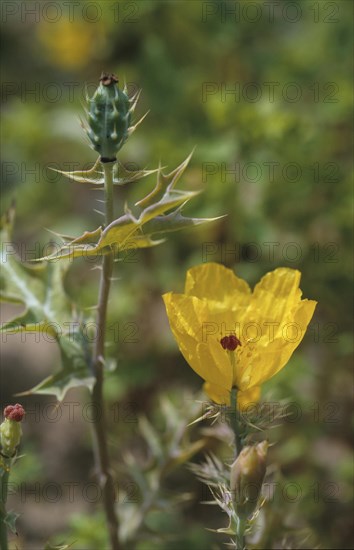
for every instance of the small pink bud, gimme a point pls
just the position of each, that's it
(14, 412)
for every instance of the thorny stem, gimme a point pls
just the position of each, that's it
(240, 534)
(234, 416)
(235, 425)
(234, 422)
(99, 426)
(4, 474)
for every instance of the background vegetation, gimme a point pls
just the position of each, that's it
(279, 166)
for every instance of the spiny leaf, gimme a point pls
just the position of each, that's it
(47, 309)
(151, 436)
(95, 176)
(75, 360)
(174, 222)
(128, 231)
(183, 456)
(62, 546)
(39, 288)
(10, 520)
(163, 182)
(122, 175)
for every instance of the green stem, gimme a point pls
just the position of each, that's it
(108, 189)
(240, 534)
(100, 425)
(234, 422)
(3, 498)
(236, 425)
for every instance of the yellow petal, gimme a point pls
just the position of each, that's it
(186, 316)
(272, 354)
(219, 395)
(276, 294)
(186, 313)
(215, 365)
(215, 282)
(245, 399)
(304, 313)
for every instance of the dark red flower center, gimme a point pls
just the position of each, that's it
(14, 412)
(230, 342)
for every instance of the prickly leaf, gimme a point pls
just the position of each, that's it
(129, 231)
(75, 359)
(47, 309)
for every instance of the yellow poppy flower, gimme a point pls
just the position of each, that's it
(233, 337)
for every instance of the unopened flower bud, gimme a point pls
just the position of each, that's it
(10, 429)
(109, 116)
(247, 474)
(14, 412)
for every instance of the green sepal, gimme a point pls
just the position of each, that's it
(10, 436)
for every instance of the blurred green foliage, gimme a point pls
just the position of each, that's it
(279, 167)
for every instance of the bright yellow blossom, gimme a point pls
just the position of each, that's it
(262, 328)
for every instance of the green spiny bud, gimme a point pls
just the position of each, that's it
(247, 474)
(109, 117)
(10, 429)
